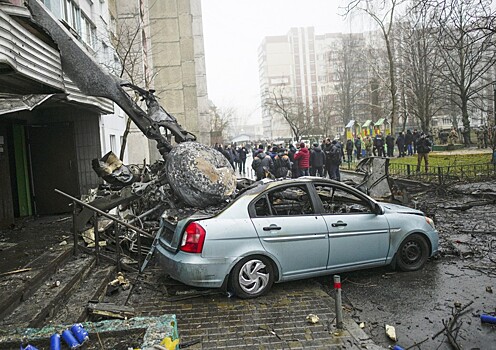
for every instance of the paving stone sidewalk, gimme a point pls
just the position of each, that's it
(275, 321)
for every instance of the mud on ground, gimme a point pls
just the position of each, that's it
(28, 237)
(421, 304)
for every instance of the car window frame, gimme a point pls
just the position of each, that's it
(372, 203)
(310, 190)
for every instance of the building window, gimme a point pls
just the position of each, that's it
(113, 144)
(88, 32)
(72, 15)
(55, 6)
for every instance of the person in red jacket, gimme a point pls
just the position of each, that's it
(303, 158)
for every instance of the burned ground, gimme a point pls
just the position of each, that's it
(418, 304)
(421, 304)
(29, 237)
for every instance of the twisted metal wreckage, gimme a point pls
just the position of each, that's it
(190, 174)
(191, 179)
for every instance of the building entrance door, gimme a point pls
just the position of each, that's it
(53, 165)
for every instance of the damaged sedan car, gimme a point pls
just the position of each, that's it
(283, 230)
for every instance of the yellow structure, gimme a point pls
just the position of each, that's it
(352, 129)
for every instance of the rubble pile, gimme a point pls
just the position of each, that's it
(194, 179)
(471, 237)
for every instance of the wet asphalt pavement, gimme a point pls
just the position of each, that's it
(419, 303)
(415, 303)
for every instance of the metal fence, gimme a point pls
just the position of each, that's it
(444, 174)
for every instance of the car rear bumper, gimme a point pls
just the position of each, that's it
(192, 269)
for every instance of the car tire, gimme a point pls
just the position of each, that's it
(412, 253)
(252, 277)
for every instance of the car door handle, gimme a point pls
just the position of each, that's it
(339, 223)
(271, 227)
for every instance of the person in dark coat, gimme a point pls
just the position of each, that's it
(423, 148)
(311, 150)
(335, 156)
(390, 144)
(349, 150)
(242, 159)
(263, 165)
(400, 142)
(379, 144)
(282, 164)
(230, 156)
(235, 154)
(294, 163)
(225, 153)
(327, 155)
(317, 159)
(358, 147)
(416, 136)
(409, 143)
(303, 158)
(257, 150)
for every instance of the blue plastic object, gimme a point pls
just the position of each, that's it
(55, 342)
(70, 340)
(488, 319)
(397, 347)
(80, 333)
(29, 347)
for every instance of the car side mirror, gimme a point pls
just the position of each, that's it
(378, 209)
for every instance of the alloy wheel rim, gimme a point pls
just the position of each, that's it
(253, 277)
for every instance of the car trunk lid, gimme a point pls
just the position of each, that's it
(173, 223)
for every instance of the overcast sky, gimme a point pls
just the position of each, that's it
(233, 31)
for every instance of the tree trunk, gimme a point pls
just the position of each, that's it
(465, 120)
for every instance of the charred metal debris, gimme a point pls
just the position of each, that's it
(141, 201)
(147, 197)
(464, 218)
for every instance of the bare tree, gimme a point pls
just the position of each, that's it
(221, 117)
(130, 40)
(351, 77)
(467, 53)
(485, 15)
(420, 62)
(384, 16)
(296, 114)
(326, 116)
(128, 43)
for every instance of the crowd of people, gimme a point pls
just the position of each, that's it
(236, 155)
(299, 160)
(324, 159)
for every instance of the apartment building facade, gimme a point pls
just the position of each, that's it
(167, 55)
(310, 70)
(49, 130)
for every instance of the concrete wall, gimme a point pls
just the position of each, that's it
(176, 37)
(169, 57)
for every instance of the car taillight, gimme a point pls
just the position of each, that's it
(193, 238)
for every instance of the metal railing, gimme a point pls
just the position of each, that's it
(118, 225)
(444, 174)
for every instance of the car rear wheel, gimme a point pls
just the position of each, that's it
(412, 253)
(252, 277)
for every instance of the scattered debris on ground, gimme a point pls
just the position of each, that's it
(441, 305)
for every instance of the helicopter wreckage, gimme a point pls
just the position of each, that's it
(190, 177)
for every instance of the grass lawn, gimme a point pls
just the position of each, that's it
(443, 159)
